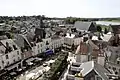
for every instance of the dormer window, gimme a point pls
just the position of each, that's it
(14, 60)
(7, 57)
(114, 68)
(8, 63)
(3, 62)
(118, 62)
(47, 43)
(8, 48)
(14, 46)
(116, 51)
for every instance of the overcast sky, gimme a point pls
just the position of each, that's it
(61, 8)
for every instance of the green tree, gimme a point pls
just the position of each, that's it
(99, 29)
(106, 31)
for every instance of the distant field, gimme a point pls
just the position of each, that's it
(103, 27)
(113, 20)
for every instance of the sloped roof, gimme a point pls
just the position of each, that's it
(91, 65)
(93, 45)
(106, 37)
(116, 28)
(101, 71)
(82, 25)
(114, 54)
(3, 46)
(87, 67)
(10, 41)
(19, 40)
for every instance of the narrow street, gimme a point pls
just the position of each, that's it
(36, 69)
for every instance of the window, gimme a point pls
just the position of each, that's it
(18, 52)
(93, 57)
(7, 57)
(119, 70)
(114, 68)
(47, 43)
(14, 60)
(41, 45)
(116, 72)
(14, 46)
(8, 63)
(38, 51)
(3, 62)
(117, 62)
(38, 46)
(18, 58)
(98, 78)
(116, 51)
(109, 67)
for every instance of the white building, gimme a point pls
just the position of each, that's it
(42, 46)
(10, 53)
(1, 64)
(57, 42)
(71, 39)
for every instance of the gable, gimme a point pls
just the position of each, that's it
(82, 25)
(92, 27)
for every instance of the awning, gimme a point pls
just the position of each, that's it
(30, 63)
(13, 73)
(13, 66)
(30, 59)
(38, 58)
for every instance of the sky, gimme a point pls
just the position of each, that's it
(61, 8)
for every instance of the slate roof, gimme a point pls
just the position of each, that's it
(87, 67)
(115, 52)
(55, 37)
(101, 71)
(82, 25)
(116, 28)
(91, 65)
(19, 40)
(93, 44)
(3, 45)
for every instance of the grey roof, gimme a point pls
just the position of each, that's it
(19, 40)
(82, 25)
(93, 44)
(3, 46)
(101, 71)
(55, 37)
(87, 67)
(30, 36)
(115, 52)
(91, 65)
(116, 28)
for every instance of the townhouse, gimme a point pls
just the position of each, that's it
(71, 39)
(10, 54)
(56, 42)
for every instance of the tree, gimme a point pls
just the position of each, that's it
(99, 29)
(106, 31)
